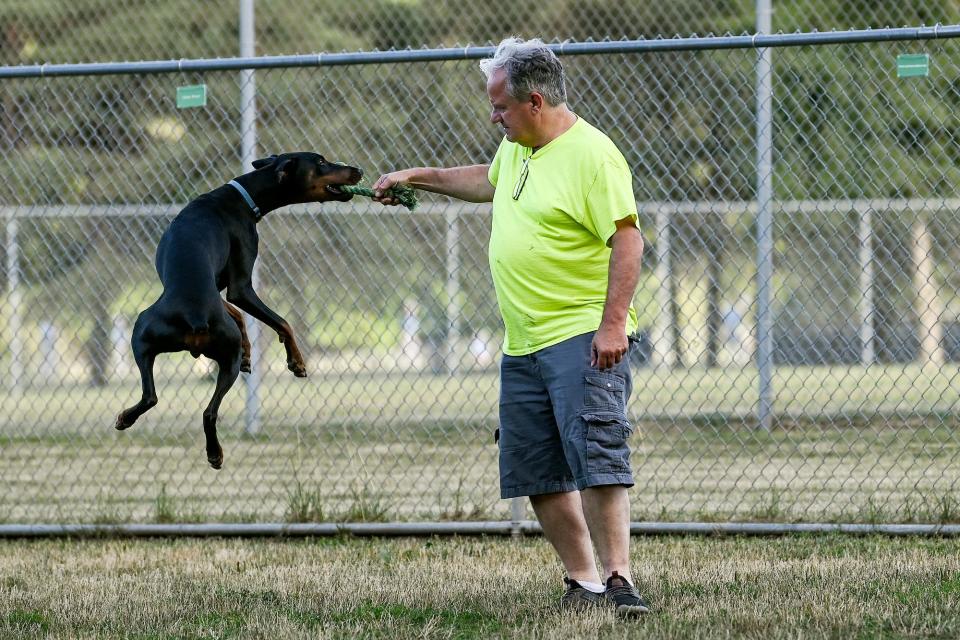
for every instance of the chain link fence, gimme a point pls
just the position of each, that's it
(37, 31)
(397, 318)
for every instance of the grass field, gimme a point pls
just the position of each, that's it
(849, 444)
(713, 587)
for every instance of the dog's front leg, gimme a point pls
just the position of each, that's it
(244, 340)
(247, 299)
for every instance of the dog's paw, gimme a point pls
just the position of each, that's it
(121, 424)
(245, 366)
(299, 369)
(216, 461)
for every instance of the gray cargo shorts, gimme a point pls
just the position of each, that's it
(563, 423)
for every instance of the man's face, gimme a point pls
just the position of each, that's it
(514, 116)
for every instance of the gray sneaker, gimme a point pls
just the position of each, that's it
(624, 597)
(579, 598)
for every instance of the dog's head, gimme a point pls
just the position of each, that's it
(309, 177)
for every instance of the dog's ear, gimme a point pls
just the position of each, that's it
(286, 169)
(264, 162)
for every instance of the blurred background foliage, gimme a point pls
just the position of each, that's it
(845, 128)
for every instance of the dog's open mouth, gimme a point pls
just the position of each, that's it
(338, 192)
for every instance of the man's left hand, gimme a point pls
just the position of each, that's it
(610, 344)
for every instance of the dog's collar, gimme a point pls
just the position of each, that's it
(246, 196)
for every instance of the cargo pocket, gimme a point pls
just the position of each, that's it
(606, 437)
(604, 391)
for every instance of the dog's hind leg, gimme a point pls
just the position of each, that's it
(149, 399)
(229, 369)
(144, 353)
(237, 316)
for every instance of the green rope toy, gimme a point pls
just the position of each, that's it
(405, 194)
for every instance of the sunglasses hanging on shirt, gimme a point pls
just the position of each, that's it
(522, 178)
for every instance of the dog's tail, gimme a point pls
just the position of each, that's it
(198, 336)
(198, 325)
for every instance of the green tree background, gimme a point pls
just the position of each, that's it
(845, 128)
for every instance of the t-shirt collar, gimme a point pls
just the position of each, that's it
(528, 151)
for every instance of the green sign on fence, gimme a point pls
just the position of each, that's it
(194, 95)
(913, 65)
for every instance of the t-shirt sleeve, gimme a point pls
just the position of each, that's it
(609, 199)
(493, 173)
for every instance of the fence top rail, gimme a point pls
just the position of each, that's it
(649, 208)
(754, 41)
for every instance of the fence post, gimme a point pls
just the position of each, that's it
(665, 339)
(14, 304)
(764, 220)
(518, 513)
(927, 297)
(867, 353)
(453, 288)
(248, 153)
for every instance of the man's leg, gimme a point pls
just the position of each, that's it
(561, 516)
(533, 463)
(590, 409)
(607, 513)
(590, 406)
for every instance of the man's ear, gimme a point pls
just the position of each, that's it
(536, 101)
(264, 162)
(286, 169)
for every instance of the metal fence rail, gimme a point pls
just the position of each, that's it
(801, 369)
(106, 30)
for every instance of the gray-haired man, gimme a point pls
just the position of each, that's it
(565, 253)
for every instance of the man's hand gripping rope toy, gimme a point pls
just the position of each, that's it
(403, 193)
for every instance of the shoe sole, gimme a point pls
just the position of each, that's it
(631, 611)
(582, 605)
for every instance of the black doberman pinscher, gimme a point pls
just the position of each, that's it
(210, 246)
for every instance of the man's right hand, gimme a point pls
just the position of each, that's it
(386, 181)
(464, 183)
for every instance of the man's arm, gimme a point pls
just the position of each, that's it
(610, 343)
(465, 183)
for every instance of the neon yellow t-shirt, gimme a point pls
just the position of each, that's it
(548, 248)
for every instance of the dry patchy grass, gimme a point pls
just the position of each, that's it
(875, 444)
(810, 587)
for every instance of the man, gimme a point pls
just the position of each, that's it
(565, 253)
